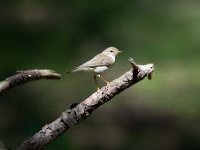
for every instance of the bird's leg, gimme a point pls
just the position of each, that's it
(107, 82)
(95, 80)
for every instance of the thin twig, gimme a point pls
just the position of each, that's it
(26, 76)
(78, 112)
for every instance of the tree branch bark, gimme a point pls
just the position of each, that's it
(78, 112)
(23, 77)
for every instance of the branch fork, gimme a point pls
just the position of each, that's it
(77, 112)
(143, 70)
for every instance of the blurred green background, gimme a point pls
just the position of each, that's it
(161, 114)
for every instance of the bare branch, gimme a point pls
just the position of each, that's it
(78, 112)
(26, 76)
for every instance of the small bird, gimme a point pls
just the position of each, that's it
(99, 63)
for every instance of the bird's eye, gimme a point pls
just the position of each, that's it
(111, 51)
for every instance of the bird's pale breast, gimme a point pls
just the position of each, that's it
(100, 69)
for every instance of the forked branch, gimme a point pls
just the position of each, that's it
(78, 112)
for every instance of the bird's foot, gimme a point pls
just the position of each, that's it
(98, 89)
(107, 83)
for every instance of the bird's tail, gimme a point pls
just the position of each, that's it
(69, 71)
(75, 70)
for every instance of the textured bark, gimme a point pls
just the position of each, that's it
(25, 76)
(78, 112)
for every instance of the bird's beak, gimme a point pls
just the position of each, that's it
(119, 52)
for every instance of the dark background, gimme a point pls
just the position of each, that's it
(161, 114)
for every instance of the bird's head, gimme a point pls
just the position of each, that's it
(111, 51)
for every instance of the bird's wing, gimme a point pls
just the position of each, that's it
(102, 60)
